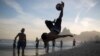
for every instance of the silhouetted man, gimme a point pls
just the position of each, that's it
(61, 44)
(21, 42)
(53, 43)
(37, 43)
(74, 42)
(54, 27)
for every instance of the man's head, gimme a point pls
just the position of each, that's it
(22, 30)
(44, 37)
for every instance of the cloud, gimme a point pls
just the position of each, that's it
(77, 18)
(16, 6)
(34, 27)
(87, 22)
(84, 6)
(74, 28)
(90, 23)
(6, 22)
(84, 24)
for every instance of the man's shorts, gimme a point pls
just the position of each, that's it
(21, 44)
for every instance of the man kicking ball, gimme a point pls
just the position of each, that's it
(54, 27)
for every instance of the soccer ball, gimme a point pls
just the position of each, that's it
(59, 6)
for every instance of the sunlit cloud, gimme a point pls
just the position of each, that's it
(90, 23)
(34, 27)
(77, 18)
(84, 24)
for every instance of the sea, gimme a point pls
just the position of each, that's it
(6, 48)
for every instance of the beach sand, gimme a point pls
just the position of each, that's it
(87, 49)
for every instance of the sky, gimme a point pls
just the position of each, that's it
(79, 16)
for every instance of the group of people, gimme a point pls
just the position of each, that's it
(22, 42)
(53, 26)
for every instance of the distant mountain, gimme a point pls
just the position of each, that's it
(83, 36)
(88, 36)
(64, 32)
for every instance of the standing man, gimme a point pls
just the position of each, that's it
(53, 43)
(74, 42)
(21, 41)
(61, 44)
(37, 43)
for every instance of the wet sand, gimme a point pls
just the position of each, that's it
(87, 49)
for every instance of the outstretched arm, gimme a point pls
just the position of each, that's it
(15, 38)
(14, 44)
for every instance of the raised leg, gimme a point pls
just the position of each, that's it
(49, 24)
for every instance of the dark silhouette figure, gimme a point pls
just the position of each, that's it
(74, 42)
(37, 43)
(21, 41)
(61, 44)
(53, 43)
(37, 46)
(54, 27)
